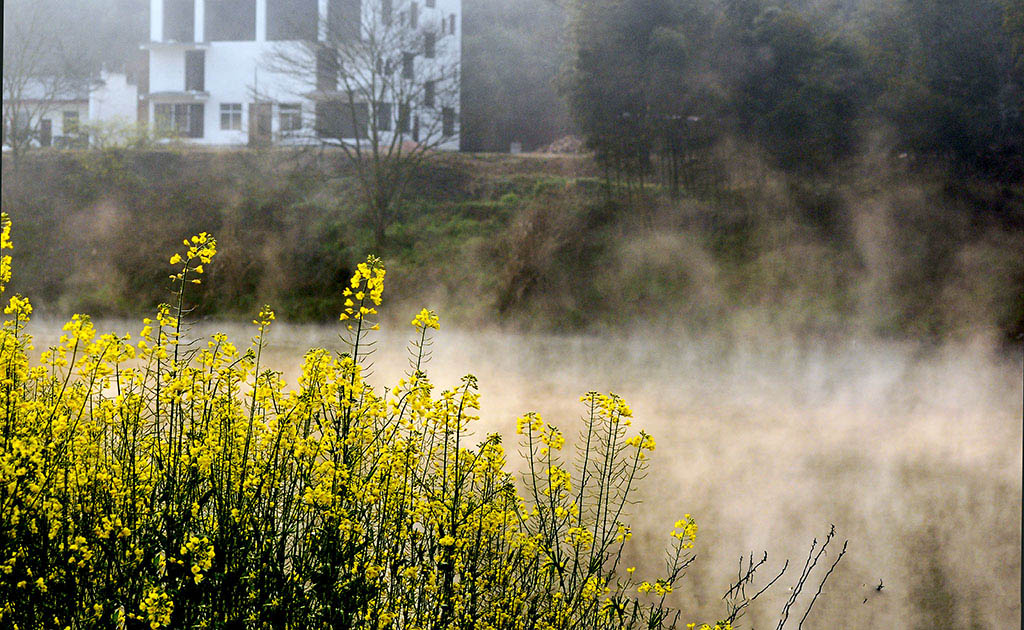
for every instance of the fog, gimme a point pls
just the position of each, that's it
(913, 452)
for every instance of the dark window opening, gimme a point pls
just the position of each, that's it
(407, 65)
(451, 23)
(291, 117)
(292, 20)
(431, 4)
(383, 116)
(327, 68)
(429, 45)
(179, 118)
(162, 117)
(45, 132)
(448, 121)
(414, 15)
(386, 9)
(260, 114)
(230, 20)
(416, 129)
(69, 124)
(231, 116)
(338, 119)
(404, 114)
(428, 93)
(179, 20)
(195, 70)
(343, 20)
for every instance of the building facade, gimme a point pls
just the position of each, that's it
(114, 99)
(231, 72)
(72, 113)
(46, 112)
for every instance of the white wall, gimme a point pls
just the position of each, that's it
(156, 20)
(166, 69)
(114, 100)
(56, 115)
(236, 72)
(54, 112)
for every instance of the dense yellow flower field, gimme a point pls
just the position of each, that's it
(147, 482)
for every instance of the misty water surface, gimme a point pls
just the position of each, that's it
(913, 453)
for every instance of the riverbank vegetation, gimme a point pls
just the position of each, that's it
(541, 242)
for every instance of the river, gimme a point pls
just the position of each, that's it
(913, 453)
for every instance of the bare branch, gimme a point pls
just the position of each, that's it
(384, 93)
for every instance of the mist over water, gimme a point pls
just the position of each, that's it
(913, 452)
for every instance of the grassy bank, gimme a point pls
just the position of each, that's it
(535, 242)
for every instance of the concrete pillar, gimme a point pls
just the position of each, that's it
(156, 20)
(261, 20)
(200, 17)
(322, 20)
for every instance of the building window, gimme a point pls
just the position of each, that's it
(45, 132)
(230, 20)
(429, 45)
(451, 23)
(386, 9)
(184, 119)
(69, 125)
(414, 15)
(230, 115)
(407, 65)
(292, 20)
(343, 20)
(291, 117)
(448, 121)
(383, 116)
(428, 93)
(179, 20)
(338, 119)
(431, 4)
(327, 67)
(195, 70)
(404, 115)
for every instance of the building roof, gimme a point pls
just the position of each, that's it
(41, 89)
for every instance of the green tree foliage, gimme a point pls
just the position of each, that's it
(801, 90)
(949, 87)
(656, 78)
(806, 82)
(513, 52)
(635, 85)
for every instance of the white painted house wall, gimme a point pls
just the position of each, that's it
(114, 100)
(236, 71)
(40, 107)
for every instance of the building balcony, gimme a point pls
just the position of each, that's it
(174, 45)
(179, 96)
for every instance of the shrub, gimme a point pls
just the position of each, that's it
(151, 483)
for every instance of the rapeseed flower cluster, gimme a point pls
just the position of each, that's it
(149, 484)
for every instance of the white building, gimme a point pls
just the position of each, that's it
(114, 99)
(46, 111)
(217, 75)
(66, 113)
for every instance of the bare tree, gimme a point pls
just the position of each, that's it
(382, 79)
(37, 70)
